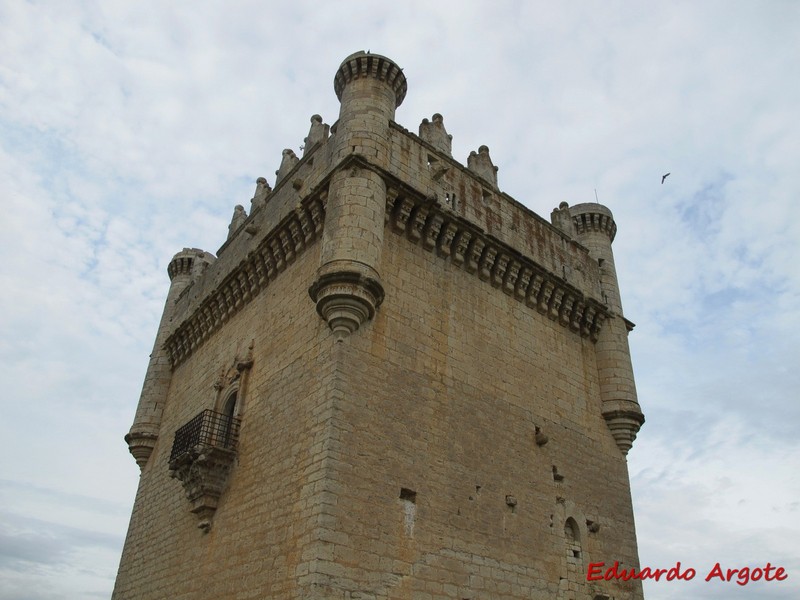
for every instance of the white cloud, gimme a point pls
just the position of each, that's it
(130, 131)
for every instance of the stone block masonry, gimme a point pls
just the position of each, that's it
(419, 388)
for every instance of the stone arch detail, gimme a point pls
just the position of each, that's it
(573, 534)
(231, 385)
(229, 400)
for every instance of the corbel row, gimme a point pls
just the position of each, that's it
(261, 266)
(424, 222)
(586, 222)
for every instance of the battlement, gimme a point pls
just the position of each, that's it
(465, 218)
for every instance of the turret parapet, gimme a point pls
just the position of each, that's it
(363, 64)
(317, 134)
(189, 261)
(436, 135)
(288, 161)
(481, 164)
(591, 216)
(260, 197)
(238, 218)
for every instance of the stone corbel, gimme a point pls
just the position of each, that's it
(204, 473)
(346, 300)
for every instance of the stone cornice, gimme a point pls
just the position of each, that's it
(263, 264)
(437, 229)
(421, 220)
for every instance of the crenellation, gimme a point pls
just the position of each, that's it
(317, 134)
(289, 161)
(261, 195)
(436, 135)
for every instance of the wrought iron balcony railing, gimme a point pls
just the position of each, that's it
(208, 429)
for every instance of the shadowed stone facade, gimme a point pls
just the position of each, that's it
(393, 381)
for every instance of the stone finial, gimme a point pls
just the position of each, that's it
(317, 134)
(562, 218)
(436, 135)
(481, 164)
(239, 217)
(288, 161)
(260, 197)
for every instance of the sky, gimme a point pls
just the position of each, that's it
(131, 130)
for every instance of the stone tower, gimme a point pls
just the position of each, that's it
(393, 381)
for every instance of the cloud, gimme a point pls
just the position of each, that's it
(128, 132)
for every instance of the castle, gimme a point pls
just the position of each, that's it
(393, 381)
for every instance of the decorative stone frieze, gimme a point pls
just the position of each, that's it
(280, 247)
(425, 222)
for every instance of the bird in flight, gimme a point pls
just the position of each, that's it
(663, 177)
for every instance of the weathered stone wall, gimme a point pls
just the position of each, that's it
(264, 525)
(443, 394)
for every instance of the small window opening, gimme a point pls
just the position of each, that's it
(230, 405)
(409, 498)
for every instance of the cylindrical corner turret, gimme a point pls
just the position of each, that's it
(186, 266)
(370, 78)
(348, 288)
(595, 228)
(370, 87)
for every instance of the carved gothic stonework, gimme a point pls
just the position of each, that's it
(346, 300)
(204, 473)
(140, 445)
